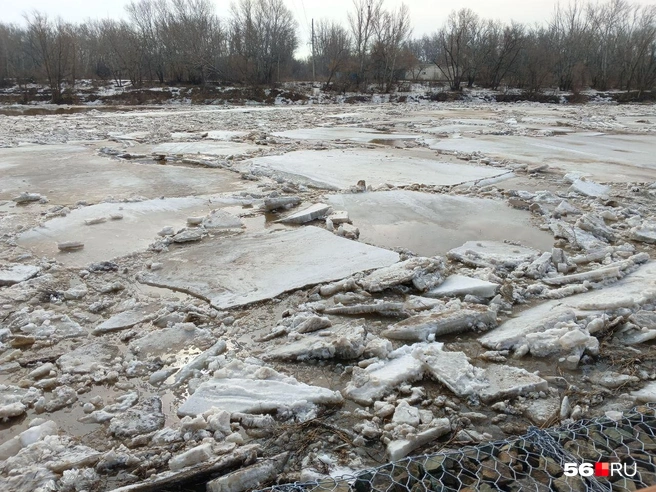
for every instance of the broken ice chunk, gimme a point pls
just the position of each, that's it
(589, 188)
(313, 212)
(120, 321)
(171, 339)
(402, 447)
(379, 379)
(341, 342)
(70, 246)
(143, 418)
(27, 198)
(14, 274)
(645, 233)
(460, 285)
(238, 391)
(492, 253)
(88, 358)
(442, 322)
(412, 270)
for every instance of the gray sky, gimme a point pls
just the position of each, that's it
(426, 15)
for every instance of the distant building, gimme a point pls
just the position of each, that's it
(426, 71)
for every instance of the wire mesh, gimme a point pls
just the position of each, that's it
(617, 455)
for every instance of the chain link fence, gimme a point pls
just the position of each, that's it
(589, 455)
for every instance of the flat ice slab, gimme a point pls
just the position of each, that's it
(461, 285)
(380, 378)
(633, 290)
(254, 396)
(429, 224)
(68, 173)
(224, 135)
(606, 157)
(17, 273)
(253, 267)
(362, 135)
(121, 321)
(88, 358)
(338, 169)
(113, 238)
(313, 212)
(589, 188)
(217, 148)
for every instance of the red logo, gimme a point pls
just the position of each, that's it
(602, 469)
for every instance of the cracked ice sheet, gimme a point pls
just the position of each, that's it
(353, 134)
(605, 157)
(224, 135)
(253, 267)
(429, 224)
(214, 148)
(338, 169)
(635, 289)
(68, 173)
(114, 238)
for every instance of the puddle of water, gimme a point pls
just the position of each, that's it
(113, 238)
(388, 142)
(68, 173)
(433, 224)
(256, 221)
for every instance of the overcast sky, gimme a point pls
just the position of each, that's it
(426, 15)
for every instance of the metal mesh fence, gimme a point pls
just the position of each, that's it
(589, 455)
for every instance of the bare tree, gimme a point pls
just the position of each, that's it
(498, 52)
(262, 39)
(144, 16)
(536, 61)
(571, 42)
(391, 30)
(641, 51)
(52, 46)
(605, 45)
(362, 22)
(17, 64)
(191, 37)
(451, 48)
(608, 25)
(332, 47)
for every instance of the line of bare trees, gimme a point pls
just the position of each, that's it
(602, 45)
(165, 41)
(609, 45)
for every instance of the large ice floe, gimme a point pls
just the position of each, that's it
(603, 156)
(340, 169)
(432, 224)
(363, 135)
(214, 148)
(74, 173)
(264, 265)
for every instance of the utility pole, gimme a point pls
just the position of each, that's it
(313, 73)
